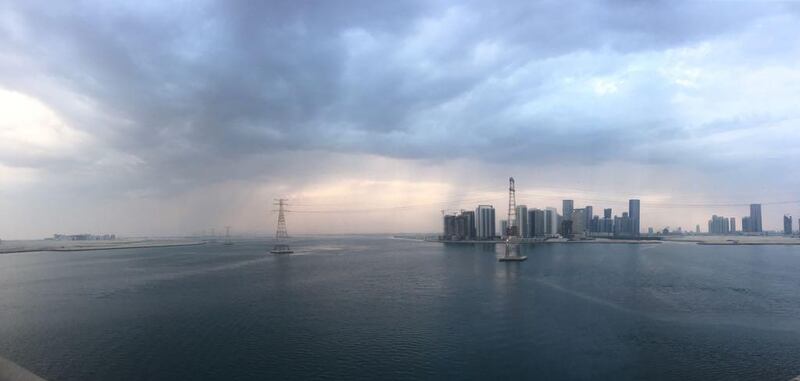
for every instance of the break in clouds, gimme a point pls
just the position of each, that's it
(199, 113)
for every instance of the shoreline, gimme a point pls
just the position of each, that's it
(119, 246)
(602, 242)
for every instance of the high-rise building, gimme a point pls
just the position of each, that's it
(566, 209)
(746, 226)
(449, 228)
(469, 221)
(459, 227)
(537, 222)
(733, 225)
(718, 225)
(755, 218)
(607, 223)
(578, 221)
(697, 228)
(504, 227)
(566, 228)
(589, 214)
(623, 226)
(787, 224)
(522, 221)
(650, 231)
(484, 222)
(595, 225)
(551, 221)
(634, 213)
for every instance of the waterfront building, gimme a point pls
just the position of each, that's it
(485, 222)
(449, 228)
(537, 222)
(746, 226)
(522, 221)
(607, 224)
(589, 214)
(623, 226)
(755, 218)
(650, 231)
(595, 225)
(578, 219)
(566, 228)
(504, 228)
(634, 213)
(697, 228)
(567, 206)
(459, 227)
(733, 225)
(469, 223)
(551, 221)
(787, 224)
(718, 225)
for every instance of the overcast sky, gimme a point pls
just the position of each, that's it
(171, 118)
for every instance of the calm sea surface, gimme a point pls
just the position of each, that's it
(379, 308)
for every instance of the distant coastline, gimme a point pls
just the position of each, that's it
(699, 240)
(10, 247)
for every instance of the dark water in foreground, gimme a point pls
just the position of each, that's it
(378, 308)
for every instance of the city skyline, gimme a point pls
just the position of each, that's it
(372, 117)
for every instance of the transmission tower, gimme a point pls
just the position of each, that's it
(281, 232)
(512, 209)
(228, 236)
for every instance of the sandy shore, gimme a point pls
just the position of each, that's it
(7, 247)
(736, 240)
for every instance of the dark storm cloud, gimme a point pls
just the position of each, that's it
(189, 86)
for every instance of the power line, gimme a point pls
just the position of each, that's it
(394, 208)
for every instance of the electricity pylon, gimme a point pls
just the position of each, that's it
(512, 209)
(281, 232)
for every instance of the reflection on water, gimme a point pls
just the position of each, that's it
(376, 308)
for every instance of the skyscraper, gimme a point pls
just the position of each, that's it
(623, 226)
(578, 221)
(566, 209)
(537, 222)
(469, 222)
(589, 214)
(449, 228)
(787, 224)
(607, 213)
(522, 221)
(484, 222)
(633, 212)
(755, 218)
(733, 225)
(718, 225)
(551, 221)
(746, 226)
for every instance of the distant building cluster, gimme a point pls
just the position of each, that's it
(751, 224)
(480, 224)
(84, 237)
(723, 225)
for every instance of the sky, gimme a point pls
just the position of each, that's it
(165, 118)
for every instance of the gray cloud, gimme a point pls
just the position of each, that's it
(187, 94)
